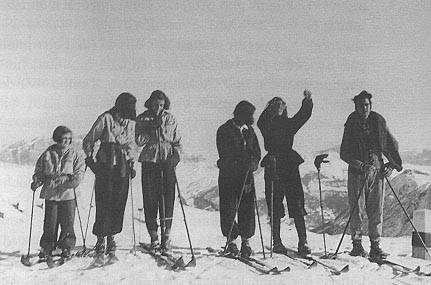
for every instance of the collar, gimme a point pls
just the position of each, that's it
(240, 128)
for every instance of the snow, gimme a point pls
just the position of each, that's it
(204, 230)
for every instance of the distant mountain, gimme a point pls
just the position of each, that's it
(198, 181)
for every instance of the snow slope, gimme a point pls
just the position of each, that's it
(142, 269)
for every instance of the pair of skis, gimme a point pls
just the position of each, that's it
(101, 260)
(168, 260)
(310, 262)
(258, 265)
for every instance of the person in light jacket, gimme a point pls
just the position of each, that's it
(157, 132)
(59, 170)
(113, 168)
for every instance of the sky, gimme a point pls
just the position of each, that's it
(65, 62)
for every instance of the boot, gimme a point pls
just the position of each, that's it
(100, 245)
(358, 249)
(376, 252)
(303, 249)
(42, 255)
(65, 254)
(279, 248)
(232, 249)
(50, 260)
(165, 246)
(246, 250)
(110, 245)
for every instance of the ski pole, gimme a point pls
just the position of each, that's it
(321, 211)
(236, 211)
(80, 222)
(272, 217)
(407, 215)
(89, 209)
(258, 221)
(351, 215)
(25, 259)
(133, 212)
(192, 262)
(318, 162)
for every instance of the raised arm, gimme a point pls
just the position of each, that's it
(303, 114)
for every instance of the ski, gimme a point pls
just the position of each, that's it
(298, 259)
(257, 264)
(168, 260)
(98, 261)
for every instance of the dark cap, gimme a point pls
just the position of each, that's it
(363, 95)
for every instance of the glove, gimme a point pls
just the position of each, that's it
(307, 94)
(368, 169)
(35, 184)
(268, 160)
(90, 163)
(132, 170)
(248, 186)
(173, 159)
(387, 170)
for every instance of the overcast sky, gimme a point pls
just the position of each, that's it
(66, 63)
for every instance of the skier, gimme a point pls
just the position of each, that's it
(60, 170)
(157, 132)
(239, 154)
(366, 137)
(282, 178)
(115, 131)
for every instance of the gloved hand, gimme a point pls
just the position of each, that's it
(368, 169)
(90, 163)
(36, 184)
(387, 170)
(248, 186)
(132, 170)
(268, 160)
(173, 159)
(307, 94)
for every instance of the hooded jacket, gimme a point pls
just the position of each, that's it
(59, 172)
(353, 149)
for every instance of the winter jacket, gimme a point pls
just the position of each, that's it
(279, 134)
(107, 130)
(235, 150)
(353, 150)
(160, 143)
(59, 172)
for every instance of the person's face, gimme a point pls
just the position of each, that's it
(249, 119)
(364, 108)
(64, 141)
(158, 106)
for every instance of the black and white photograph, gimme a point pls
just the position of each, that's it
(215, 142)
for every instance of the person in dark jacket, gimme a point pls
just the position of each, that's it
(282, 178)
(157, 132)
(239, 154)
(60, 170)
(114, 129)
(366, 138)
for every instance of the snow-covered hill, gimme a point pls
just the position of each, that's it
(204, 230)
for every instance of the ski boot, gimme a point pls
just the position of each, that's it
(246, 250)
(154, 246)
(232, 249)
(65, 256)
(376, 253)
(111, 246)
(303, 249)
(42, 256)
(50, 260)
(100, 251)
(279, 247)
(165, 246)
(358, 249)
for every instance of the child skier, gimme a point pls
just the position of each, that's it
(59, 170)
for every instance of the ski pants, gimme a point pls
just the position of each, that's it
(111, 191)
(370, 202)
(158, 191)
(289, 186)
(230, 187)
(58, 213)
